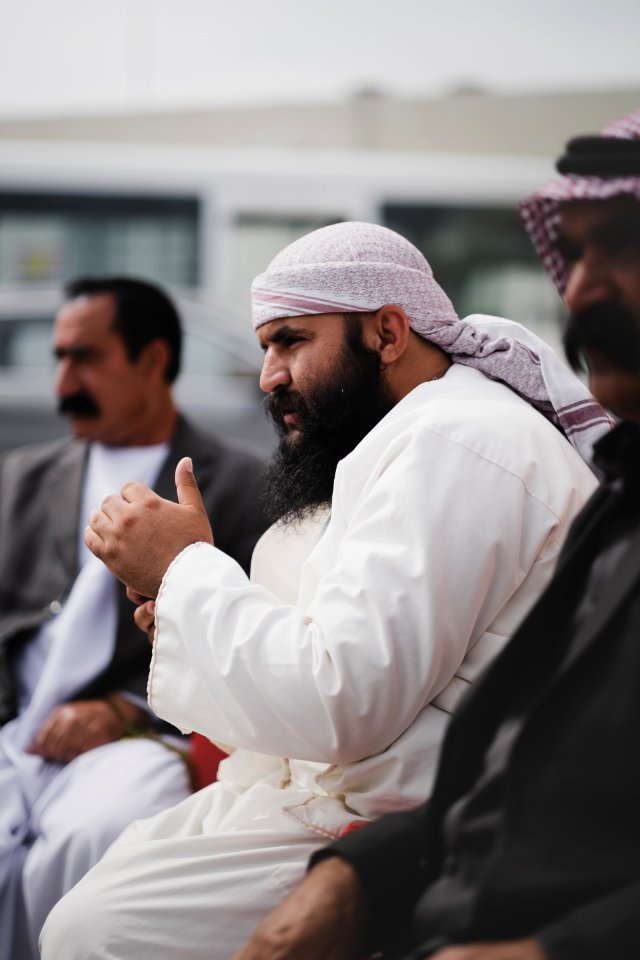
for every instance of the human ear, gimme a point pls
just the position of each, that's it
(154, 357)
(392, 332)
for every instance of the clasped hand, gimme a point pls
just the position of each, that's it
(74, 728)
(137, 533)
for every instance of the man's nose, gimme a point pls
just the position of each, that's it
(67, 382)
(590, 282)
(275, 372)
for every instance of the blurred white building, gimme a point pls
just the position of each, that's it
(201, 200)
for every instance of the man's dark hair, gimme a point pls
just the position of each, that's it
(144, 313)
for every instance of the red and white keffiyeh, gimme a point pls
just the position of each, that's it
(541, 211)
(360, 267)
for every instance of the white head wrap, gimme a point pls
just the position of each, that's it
(360, 267)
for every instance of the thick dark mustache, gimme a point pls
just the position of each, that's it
(278, 405)
(79, 405)
(608, 328)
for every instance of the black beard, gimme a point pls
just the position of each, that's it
(607, 328)
(334, 417)
(79, 404)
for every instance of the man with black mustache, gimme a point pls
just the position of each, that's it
(73, 667)
(530, 846)
(441, 443)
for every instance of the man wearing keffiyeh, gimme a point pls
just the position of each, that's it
(530, 846)
(449, 451)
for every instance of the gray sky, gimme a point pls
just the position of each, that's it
(96, 55)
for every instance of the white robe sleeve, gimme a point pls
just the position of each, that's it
(422, 559)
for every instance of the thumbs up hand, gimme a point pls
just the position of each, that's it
(137, 534)
(187, 487)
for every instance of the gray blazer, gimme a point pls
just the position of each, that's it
(40, 495)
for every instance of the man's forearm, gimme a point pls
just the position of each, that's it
(323, 919)
(388, 856)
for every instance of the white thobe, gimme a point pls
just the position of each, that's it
(446, 522)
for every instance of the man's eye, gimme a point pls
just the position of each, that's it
(568, 251)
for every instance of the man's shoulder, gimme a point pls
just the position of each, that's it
(465, 404)
(474, 409)
(470, 421)
(39, 457)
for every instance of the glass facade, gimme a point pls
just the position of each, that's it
(46, 238)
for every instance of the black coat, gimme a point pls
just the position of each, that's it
(40, 498)
(566, 867)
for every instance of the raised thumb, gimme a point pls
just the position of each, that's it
(186, 486)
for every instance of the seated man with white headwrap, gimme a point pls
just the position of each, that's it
(459, 474)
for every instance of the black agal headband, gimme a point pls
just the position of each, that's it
(599, 156)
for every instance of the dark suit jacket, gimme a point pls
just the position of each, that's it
(40, 495)
(566, 867)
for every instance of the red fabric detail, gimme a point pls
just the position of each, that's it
(354, 825)
(205, 757)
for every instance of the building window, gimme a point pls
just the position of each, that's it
(47, 238)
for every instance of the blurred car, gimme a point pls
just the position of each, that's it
(217, 387)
